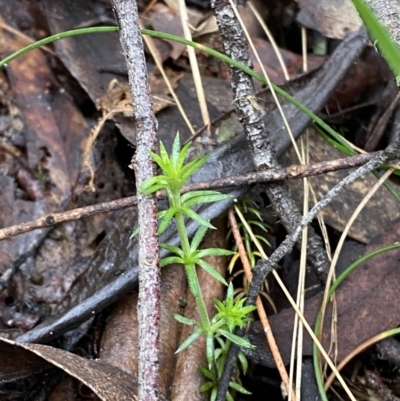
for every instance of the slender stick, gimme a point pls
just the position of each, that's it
(258, 137)
(275, 174)
(149, 273)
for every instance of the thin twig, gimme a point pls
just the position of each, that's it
(125, 282)
(149, 273)
(276, 174)
(391, 153)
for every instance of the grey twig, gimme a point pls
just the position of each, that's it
(262, 149)
(149, 274)
(392, 152)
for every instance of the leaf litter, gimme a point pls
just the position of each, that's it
(59, 268)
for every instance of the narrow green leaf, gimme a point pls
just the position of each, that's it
(243, 361)
(173, 249)
(214, 393)
(192, 166)
(176, 147)
(149, 183)
(193, 194)
(230, 292)
(193, 337)
(242, 342)
(263, 239)
(248, 309)
(161, 214)
(229, 397)
(210, 350)
(390, 50)
(222, 343)
(198, 237)
(183, 319)
(238, 387)
(218, 353)
(206, 199)
(210, 270)
(171, 260)
(164, 154)
(206, 386)
(153, 189)
(160, 162)
(219, 305)
(169, 215)
(135, 232)
(259, 224)
(214, 252)
(182, 156)
(205, 372)
(193, 215)
(255, 212)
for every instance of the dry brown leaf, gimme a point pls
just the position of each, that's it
(106, 381)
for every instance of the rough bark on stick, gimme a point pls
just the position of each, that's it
(263, 151)
(149, 274)
(388, 13)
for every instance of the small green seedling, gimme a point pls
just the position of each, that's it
(230, 314)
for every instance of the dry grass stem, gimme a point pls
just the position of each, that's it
(271, 39)
(344, 236)
(157, 59)
(194, 65)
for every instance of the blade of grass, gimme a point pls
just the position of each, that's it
(82, 31)
(184, 41)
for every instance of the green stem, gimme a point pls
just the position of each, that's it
(167, 36)
(57, 36)
(178, 39)
(191, 272)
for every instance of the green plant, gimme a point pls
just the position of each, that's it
(249, 207)
(230, 313)
(390, 52)
(249, 210)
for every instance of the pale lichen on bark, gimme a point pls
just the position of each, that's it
(388, 12)
(146, 126)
